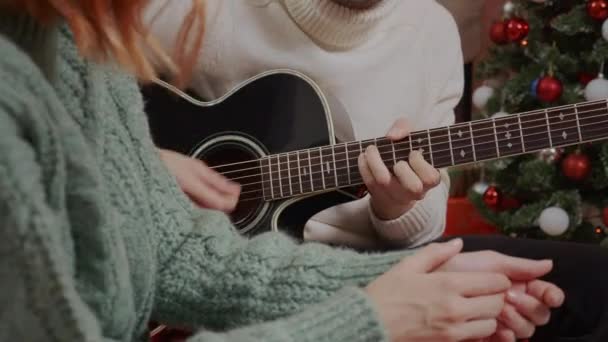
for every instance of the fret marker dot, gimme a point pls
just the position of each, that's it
(507, 125)
(561, 116)
(460, 134)
(419, 140)
(508, 135)
(304, 171)
(565, 135)
(462, 153)
(510, 145)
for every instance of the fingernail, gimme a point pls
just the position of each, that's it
(512, 296)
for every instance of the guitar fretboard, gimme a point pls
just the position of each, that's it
(336, 166)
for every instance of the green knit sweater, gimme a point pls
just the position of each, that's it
(96, 238)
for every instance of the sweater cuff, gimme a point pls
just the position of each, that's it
(348, 315)
(424, 222)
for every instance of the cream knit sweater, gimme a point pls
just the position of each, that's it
(397, 59)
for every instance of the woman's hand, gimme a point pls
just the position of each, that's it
(528, 301)
(202, 184)
(417, 304)
(392, 194)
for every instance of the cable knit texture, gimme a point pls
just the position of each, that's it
(337, 26)
(96, 238)
(398, 59)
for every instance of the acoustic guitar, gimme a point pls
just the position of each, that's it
(273, 134)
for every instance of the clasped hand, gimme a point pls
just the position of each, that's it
(439, 294)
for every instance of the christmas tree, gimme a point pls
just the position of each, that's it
(546, 53)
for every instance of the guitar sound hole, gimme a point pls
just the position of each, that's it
(241, 165)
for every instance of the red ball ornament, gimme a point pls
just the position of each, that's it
(597, 9)
(549, 89)
(492, 197)
(576, 166)
(498, 33)
(517, 29)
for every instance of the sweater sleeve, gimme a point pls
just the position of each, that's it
(426, 220)
(345, 316)
(219, 279)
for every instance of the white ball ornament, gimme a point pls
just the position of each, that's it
(507, 8)
(597, 89)
(605, 30)
(554, 221)
(482, 95)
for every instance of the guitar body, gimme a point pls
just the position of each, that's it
(274, 112)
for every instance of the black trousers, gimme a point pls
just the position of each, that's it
(581, 270)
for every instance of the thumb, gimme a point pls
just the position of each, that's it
(432, 256)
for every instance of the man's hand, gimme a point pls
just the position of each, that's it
(392, 194)
(203, 185)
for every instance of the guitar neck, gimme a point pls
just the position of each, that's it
(330, 167)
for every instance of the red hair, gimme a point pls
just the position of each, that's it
(114, 30)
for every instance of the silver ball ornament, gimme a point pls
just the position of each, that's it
(554, 221)
(597, 89)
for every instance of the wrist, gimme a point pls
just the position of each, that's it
(387, 212)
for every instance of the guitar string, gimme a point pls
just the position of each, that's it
(401, 143)
(434, 155)
(466, 125)
(309, 189)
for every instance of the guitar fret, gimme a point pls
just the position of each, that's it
(264, 176)
(485, 140)
(472, 142)
(495, 137)
(312, 185)
(428, 133)
(461, 144)
(564, 129)
(593, 121)
(411, 147)
(578, 123)
(322, 171)
(300, 173)
(419, 141)
(535, 132)
(289, 176)
(270, 175)
(521, 134)
(347, 162)
(279, 174)
(442, 149)
(451, 147)
(353, 170)
(333, 153)
(341, 165)
(394, 154)
(548, 128)
(508, 135)
(386, 148)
